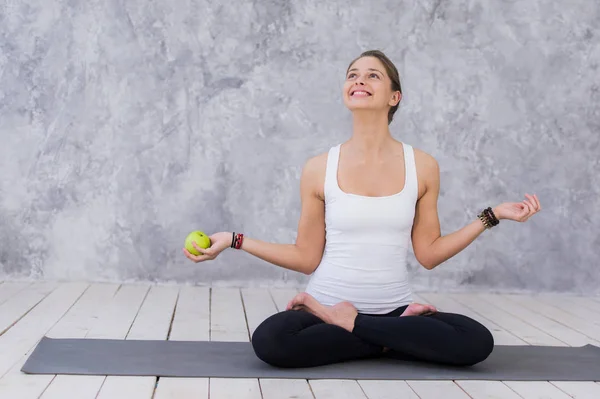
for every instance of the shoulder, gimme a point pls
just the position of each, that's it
(428, 171)
(316, 164)
(426, 162)
(313, 174)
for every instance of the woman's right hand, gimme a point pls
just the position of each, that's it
(218, 243)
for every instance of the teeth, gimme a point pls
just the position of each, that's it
(360, 92)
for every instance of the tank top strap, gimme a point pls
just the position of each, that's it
(331, 184)
(410, 166)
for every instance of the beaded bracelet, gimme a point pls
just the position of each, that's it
(237, 240)
(490, 213)
(488, 218)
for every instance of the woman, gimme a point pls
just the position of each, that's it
(363, 202)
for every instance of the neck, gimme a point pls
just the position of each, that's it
(370, 133)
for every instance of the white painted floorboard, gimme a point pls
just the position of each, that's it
(191, 323)
(9, 289)
(228, 323)
(81, 310)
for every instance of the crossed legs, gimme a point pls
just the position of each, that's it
(309, 334)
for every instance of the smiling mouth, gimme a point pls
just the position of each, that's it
(360, 93)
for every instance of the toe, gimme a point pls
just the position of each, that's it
(296, 301)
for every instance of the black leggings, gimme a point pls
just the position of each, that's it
(296, 338)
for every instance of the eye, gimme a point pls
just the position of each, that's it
(374, 74)
(351, 75)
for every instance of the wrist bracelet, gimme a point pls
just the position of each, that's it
(493, 219)
(485, 221)
(237, 240)
(488, 218)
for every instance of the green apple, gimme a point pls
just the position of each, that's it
(199, 238)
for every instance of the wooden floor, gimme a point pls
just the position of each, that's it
(29, 311)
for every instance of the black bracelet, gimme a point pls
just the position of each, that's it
(490, 214)
(488, 218)
(485, 220)
(232, 240)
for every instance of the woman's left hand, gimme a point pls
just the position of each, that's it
(519, 211)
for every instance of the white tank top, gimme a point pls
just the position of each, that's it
(367, 240)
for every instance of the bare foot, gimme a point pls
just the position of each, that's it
(417, 309)
(304, 301)
(341, 314)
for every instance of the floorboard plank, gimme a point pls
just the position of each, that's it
(568, 336)
(12, 310)
(579, 307)
(387, 389)
(536, 390)
(259, 305)
(487, 389)
(520, 328)
(191, 323)
(282, 296)
(125, 387)
(227, 317)
(181, 388)
(192, 318)
(273, 388)
(80, 319)
(9, 289)
(227, 388)
(72, 386)
(114, 322)
(17, 343)
(445, 303)
(560, 316)
(228, 323)
(29, 330)
(437, 389)
(151, 323)
(117, 317)
(584, 301)
(337, 389)
(579, 389)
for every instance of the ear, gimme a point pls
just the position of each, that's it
(396, 97)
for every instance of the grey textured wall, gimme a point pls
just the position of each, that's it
(126, 124)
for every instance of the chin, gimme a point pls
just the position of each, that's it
(360, 107)
(353, 104)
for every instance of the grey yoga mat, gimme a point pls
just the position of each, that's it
(237, 360)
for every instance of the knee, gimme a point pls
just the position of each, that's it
(480, 346)
(268, 342)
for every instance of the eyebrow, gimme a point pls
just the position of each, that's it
(370, 69)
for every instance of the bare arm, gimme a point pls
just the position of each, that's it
(430, 248)
(305, 254)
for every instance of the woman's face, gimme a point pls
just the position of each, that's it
(368, 86)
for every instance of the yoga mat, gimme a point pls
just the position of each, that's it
(237, 360)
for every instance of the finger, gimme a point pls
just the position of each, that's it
(189, 255)
(532, 202)
(194, 258)
(529, 201)
(532, 208)
(203, 251)
(538, 202)
(526, 211)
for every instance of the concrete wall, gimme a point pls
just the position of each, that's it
(126, 124)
